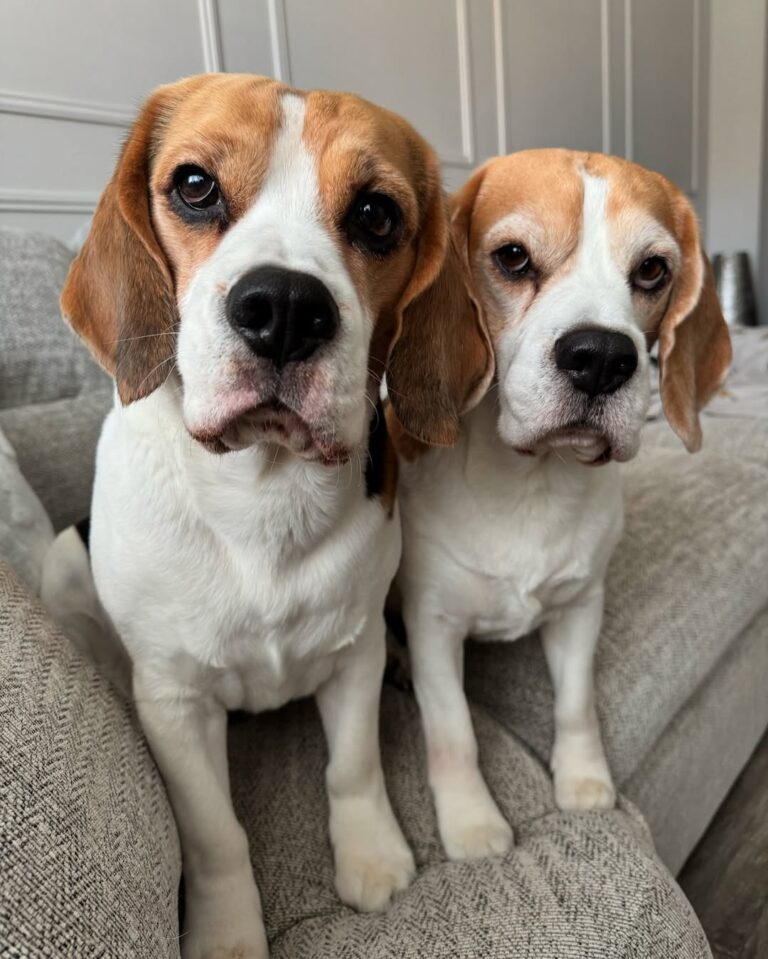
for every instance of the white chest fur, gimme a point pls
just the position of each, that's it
(498, 541)
(245, 574)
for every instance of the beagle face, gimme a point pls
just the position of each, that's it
(270, 245)
(580, 262)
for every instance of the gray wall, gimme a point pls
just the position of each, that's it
(737, 107)
(762, 269)
(477, 77)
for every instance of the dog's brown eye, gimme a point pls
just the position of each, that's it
(651, 274)
(513, 260)
(196, 187)
(374, 222)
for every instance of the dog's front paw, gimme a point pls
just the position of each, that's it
(244, 940)
(471, 825)
(373, 860)
(368, 878)
(583, 784)
(224, 922)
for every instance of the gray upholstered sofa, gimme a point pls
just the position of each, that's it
(89, 861)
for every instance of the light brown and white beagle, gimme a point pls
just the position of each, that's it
(576, 263)
(261, 257)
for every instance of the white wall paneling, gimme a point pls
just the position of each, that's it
(208, 11)
(762, 261)
(612, 75)
(552, 74)
(103, 51)
(411, 57)
(737, 117)
(476, 77)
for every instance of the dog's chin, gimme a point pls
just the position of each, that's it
(276, 426)
(578, 444)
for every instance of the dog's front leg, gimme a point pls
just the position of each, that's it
(187, 732)
(582, 777)
(372, 858)
(470, 823)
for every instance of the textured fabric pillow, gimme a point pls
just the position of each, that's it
(56, 444)
(25, 529)
(41, 359)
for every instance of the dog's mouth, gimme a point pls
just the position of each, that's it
(583, 443)
(272, 423)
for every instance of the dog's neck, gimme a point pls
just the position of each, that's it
(487, 454)
(262, 497)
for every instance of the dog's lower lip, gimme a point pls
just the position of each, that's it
(605, 457)
(571, 434)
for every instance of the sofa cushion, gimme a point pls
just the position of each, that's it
(687, 578)
(90, 861)
(574, 885)
(56, 447)
(41, 359)
(686, 776)
(26, 533)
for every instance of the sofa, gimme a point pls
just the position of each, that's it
(89, 857)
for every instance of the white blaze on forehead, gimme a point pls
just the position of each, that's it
(284, 226)
(292, 175)
(595, 246)
(615, 246)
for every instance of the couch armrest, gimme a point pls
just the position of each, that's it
(90, 863)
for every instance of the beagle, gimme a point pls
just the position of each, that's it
(261, 257)
(576, 264)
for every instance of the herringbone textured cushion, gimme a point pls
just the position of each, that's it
(89, 860)
(574, 886)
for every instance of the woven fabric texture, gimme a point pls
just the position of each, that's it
(55, 444)
(574, 886)
(685, 777)
(89, 859)
(41, 359)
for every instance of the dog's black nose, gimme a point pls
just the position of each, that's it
(283, 315)
(597, 361)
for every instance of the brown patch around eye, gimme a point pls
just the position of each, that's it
(223, 132)
(365, 193)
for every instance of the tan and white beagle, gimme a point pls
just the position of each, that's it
(576, 263)
(261, 257)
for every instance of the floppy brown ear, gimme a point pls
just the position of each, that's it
(694, 342)
(442, 362)
(119, 292)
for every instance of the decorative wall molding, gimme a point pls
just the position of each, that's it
(629, 92)
(278, 40)
(605, 73)
(47, 201)
(499, 76)
(210, 32)
(60, 108)
(467, 156)
(696, 35)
